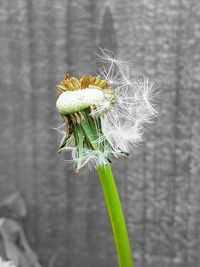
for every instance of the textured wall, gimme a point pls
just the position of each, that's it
(160, 187)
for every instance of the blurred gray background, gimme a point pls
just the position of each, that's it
(40, 41)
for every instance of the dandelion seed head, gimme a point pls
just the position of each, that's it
(120, 106)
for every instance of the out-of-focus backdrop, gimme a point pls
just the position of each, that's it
(160, 186)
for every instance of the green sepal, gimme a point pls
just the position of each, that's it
(90, 133)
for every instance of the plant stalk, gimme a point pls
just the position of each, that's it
(116, 216)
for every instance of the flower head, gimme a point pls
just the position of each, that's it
(104, 115)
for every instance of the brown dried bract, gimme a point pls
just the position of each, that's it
(70, 83)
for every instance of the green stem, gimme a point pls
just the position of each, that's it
(116, 216)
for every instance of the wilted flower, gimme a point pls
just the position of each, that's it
(104, 114)
(6, 263)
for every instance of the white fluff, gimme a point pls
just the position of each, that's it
(134, 105)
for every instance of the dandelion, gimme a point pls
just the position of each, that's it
(104, 117)
(104, 114)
